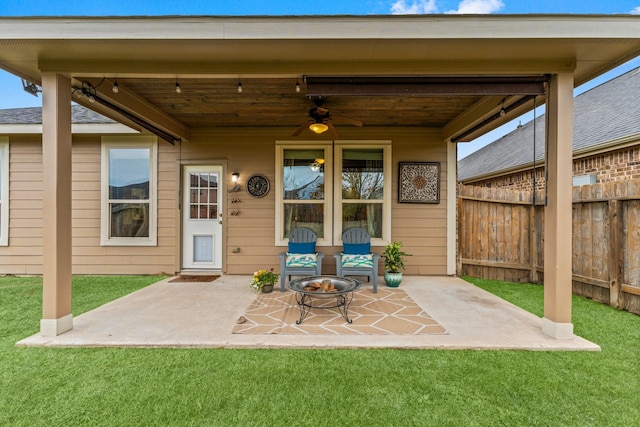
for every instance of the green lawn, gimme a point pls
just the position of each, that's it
(195, 387)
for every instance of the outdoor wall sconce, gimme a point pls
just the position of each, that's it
(234, 178)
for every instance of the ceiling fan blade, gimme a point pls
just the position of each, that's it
(299, 130)
(321, 111)
(347, 120)
(333, 131)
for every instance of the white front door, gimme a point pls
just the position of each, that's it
(202, 217)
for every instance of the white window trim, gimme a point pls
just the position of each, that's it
(386, 199)
(4, 192)
(129, 142)
(328, 186)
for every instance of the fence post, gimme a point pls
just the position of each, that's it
(533, 247)
(461, 225)
(615, 259)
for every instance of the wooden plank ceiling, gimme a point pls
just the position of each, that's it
(275, 102)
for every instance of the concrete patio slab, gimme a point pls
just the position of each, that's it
(202, 315)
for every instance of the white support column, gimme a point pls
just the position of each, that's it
(452, 206)
(56, 177)
(557, 213)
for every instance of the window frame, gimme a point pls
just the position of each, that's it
(130, 142)
(327, 147)
(341, 145)
(4, 191)
(333, 187)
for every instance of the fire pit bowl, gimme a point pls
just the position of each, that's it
(323, 287)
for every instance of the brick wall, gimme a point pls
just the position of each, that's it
(617, 165)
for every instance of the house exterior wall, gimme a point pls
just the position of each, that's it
(421, 227)
(23, 255)
(89, 257)
(616, 165)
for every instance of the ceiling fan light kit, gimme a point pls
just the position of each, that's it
(321, 121)
(318, 127)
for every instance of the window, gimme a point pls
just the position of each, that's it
(363, 190)
(304, 191)
(584, 180)
(4, 191)
(331, 189)
(129, 191)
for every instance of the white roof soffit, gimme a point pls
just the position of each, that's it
(242, 47)
(406, 45)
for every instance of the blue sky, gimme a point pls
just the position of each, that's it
(297, 7)
(13, 96)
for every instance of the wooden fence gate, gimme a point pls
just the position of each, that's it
(501, 237)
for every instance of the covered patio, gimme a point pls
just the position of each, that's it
(203, 315)
(232, 93)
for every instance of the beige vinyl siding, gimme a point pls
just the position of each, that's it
(252, 230)
(24, 253)
(421, 227)
(89, 257)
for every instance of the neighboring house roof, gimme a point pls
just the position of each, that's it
(83, 121)
(33, 115)
(606, 115)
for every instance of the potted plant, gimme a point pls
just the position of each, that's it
(394, 259)
(263, 280)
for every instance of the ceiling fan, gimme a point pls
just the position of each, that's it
(320, 121)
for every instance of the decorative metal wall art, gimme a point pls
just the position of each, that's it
(258, 185)
(419, 182)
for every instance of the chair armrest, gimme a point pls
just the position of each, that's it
(376, 262)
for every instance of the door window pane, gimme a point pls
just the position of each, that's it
(203, 195)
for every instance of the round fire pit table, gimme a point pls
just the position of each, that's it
(315, 291)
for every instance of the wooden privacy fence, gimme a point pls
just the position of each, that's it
(501, 237)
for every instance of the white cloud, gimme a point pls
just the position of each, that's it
(401, 7)
(478, 6)
(635, 11)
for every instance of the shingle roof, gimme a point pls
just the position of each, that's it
(605, 113)
(33, 115)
